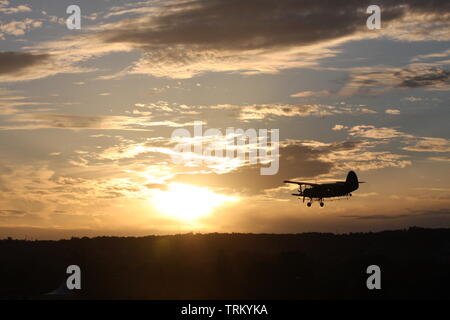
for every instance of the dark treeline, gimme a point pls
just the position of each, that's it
(415, 263)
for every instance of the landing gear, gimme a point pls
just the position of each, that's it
(321, 204)
(309, 204)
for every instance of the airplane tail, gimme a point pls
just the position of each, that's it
(352, 180)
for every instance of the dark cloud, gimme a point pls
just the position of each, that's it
(181, 40)
(8, 212)
(262, 24)
(244, 25)
(426, 6)
(296, 160)
(427, 78)
(71, 121)
(411, 77)
(15, 62)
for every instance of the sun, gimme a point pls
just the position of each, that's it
(187, 202)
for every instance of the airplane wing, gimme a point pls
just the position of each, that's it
(301, 183)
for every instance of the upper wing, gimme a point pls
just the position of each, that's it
(301, 183)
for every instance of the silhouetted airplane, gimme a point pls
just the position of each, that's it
(326, 190)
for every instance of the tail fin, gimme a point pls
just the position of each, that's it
(352, 180)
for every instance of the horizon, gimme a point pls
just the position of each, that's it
(82, 236)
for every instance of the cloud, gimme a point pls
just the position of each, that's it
(445, 159)
(18, 28)
(133, 8)
(415, 143)
(263, 111)
(257, 112)
(12, 101)
(295, 161)
(413, 99)
(358, 155)
(430, 77)
(237, 25)
(247, 25)
(253, 112)
(372, 132)
(18, 62)
(6, 9)
(379, 79)
(301, 160)
(421, 22)
(298, 159)
(428, 144)
(129, 150)
(188, 38)
(184, 39)
(392, 111)
(339, 127)
(71, 121)
(23, 66)
(37, 192)
(304, 94)
(9, 212)
(434, 55)
(180, 62)
(32, 121)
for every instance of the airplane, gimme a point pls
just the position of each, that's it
(327, 190)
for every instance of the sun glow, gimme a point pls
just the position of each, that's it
(188, 202)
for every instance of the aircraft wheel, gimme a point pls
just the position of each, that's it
(309, 204)
(321, 204)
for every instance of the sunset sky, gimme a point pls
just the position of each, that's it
(86, 116)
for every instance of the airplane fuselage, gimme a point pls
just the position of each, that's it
(329, 190)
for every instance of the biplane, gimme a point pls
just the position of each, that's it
(318, 192)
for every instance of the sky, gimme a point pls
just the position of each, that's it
(87, 115)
